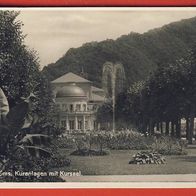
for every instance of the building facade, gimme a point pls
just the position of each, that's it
(77, 101)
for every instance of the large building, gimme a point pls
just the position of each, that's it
(77, 101)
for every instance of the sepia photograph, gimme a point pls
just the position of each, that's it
(98, 94)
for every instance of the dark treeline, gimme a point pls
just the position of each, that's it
(166, 97)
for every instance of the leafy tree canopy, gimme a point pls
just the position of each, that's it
(19, 66)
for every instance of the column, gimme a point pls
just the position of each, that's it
(74, 107)
(90, 122)
(98, 126)
(67, 123)
(76, 123)
(83, 123)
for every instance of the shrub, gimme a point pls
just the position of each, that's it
(125, 140)
(169, 146)
(85, 142)
(147, 157)
(66, 141)
(57, 160)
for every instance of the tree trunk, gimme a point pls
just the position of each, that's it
(157, 125)
(190, 139)
(161, 126)
(172, 129)
(151, 127)
(187, 128)
(144, 128)
(167, 128)
(178, 128)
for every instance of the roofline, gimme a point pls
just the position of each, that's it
(74, 96)
(87, 81)
(69, 82)
(98, 89)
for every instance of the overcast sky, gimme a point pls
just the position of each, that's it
(52, 32)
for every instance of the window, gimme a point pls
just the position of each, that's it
(95, 124)
(64, 106)
(78, 107)
(79, 124)
(63, 123)
(86, 124)
(71, 124)
(84, 107)
(71, 107)
(94, 107)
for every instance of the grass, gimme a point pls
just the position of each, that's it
(117, 164)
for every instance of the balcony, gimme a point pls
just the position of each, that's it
(77, 112)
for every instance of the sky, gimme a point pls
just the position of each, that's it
(51, 32)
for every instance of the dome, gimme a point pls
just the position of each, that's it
(70, 90)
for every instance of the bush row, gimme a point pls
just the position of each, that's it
(122, 140)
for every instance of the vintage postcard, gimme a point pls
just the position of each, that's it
(98, 95)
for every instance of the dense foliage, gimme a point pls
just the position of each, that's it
(166, 97)
(19, 66)
(22, 146)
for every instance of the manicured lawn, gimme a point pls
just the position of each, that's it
(116, 163)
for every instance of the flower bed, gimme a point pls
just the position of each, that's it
(146, 157)
(121, 140)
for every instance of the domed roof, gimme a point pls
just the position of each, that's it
(70, 90)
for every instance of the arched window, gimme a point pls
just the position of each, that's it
(79, 124)
(64, 107)
(84, 107)
(71, 124)
(71, 108)
(78, 107)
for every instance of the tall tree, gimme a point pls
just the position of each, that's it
(19, 66)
